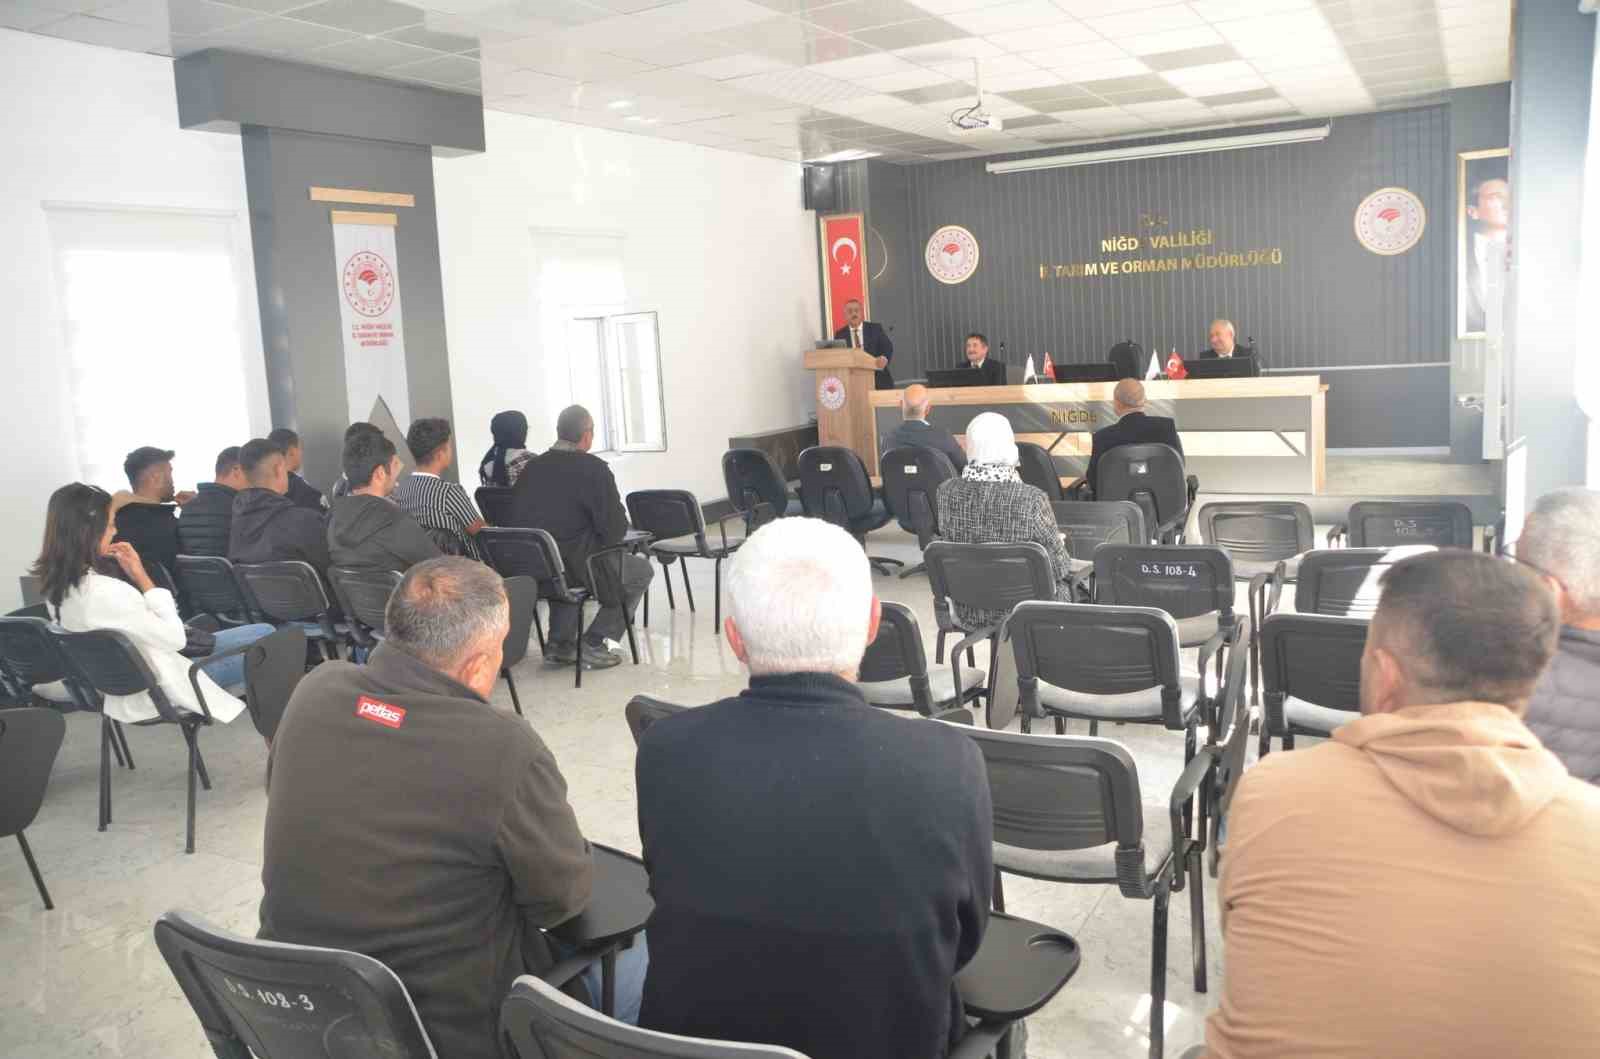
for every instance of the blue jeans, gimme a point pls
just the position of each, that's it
(230, 671)
(632, 963)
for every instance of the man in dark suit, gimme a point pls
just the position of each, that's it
(917, 432)
(1221, 339)
(994, 372)
(1132, 427)
(870, 338)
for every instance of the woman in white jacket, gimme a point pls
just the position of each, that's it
(91, 583)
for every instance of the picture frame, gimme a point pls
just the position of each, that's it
(1483, 230)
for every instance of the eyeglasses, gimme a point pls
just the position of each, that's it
(1509, 552)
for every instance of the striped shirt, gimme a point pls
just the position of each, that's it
(442, 508)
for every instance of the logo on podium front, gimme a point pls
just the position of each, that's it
(1390, 221)
(830, 392)
(951, 254)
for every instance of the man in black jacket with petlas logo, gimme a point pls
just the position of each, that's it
(572, 495)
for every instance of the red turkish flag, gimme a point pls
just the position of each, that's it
(1175, 367)
(1049, 368)
(844, 262)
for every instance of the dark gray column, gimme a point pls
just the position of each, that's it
(1549, 133)
(305, 127)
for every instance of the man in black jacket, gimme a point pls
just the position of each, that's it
(1221, 343)
(149, 519)
(917, 432)
(572, 495)
(204, 523)
(994, 372)
(870, 338)
(1132, 427)
(821, 869)
(301, 491)
(367, 530)
(268, 526)
(410, 819)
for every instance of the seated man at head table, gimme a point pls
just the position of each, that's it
(1222, 342)
(1424, 883)
(412, 819)
(821, 869)
(994, 372)
(1133, 427)
(915, 431)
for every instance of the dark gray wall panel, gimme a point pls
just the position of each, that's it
(1396, 407)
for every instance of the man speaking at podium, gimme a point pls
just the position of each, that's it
(870, 338)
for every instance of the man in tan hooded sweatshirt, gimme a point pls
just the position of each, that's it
(1427, 882)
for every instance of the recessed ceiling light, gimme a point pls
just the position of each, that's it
(620, 104)
(641, 119)
(846, 156)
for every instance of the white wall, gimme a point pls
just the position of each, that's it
(715, 242)
(85, 125)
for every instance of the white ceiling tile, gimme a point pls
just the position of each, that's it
(874, 105)
(90, 30)
(962, 69)
(798, 86)
(915, 77)
(730, 66)
(1221, 10)
(1077, 73)
(1269, 33)
(1495, 15)
(16, 15)
(1170, 40)
(1072, 54)
(1058, 35)
(1294, 58)
(678, 51)
(1020, 14)
(1193, 79)
(550, 55)
(1005, 108)
(1148, 20)
(863, 67)
(1093, 8)
(1254, 109)
(1025, 79)
(944, 7)
(950, 50)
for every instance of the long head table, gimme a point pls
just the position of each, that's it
(1239, 435)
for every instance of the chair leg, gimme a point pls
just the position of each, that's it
(516, 703)
(1061, 725)
(38, 880)
(1264, 747)
(647, 602)
(912, 570)
(1197, 916)
(1158, 972)
(716, 629)
(688, 593)
(200, 765)
(938, 649)
(105, 771)
(1288, 740)
(538, 626)
(666, 575)
(122, 737)
(194, 762)
(1094, 727)
(577, 663)
(1188, 756)
(999, 891)
(633, 643)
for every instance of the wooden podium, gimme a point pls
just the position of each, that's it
(845, 381)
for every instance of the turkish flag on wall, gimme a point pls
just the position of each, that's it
(844, 262)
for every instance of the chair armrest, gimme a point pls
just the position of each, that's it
(618, 548)
(1280, 577)
(722, 523)
(569, 967)
(1337, 533)
(955, 715)
(970, 640)
(981, 1041)
(199, 664)
(1189, 781)
(1224, 634)
(1192, 484)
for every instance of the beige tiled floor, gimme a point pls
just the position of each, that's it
(86, 979)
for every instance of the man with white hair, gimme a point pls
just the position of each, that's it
(1561, 542)
(1221, 341)
(821, 869)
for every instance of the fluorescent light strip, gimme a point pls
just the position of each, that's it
(1161, 150)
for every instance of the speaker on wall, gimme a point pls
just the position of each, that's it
(822, 189)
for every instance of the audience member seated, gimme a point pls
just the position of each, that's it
(990, 504)
(410, 819)
(341, 485)
(1424, 883)
(367, 530)
(440, 507)
(820, 869)
(572, 495)
(268, 526)
(205, 520)
(301, 491)
(1133, 427)
(505, 459)
(90, 582)
(916, 431)
(148, 518)
(1561, 542)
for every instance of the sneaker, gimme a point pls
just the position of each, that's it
(560, 654)
(599, 657)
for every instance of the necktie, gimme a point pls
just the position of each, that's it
(855, 337)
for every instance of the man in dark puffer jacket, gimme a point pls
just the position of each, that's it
(205, 522)
(1561, 540)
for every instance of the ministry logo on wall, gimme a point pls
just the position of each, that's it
(951, 254)
(1390, 221)
(370, 318)
(368, 283)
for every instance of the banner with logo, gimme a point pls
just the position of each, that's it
(844, 263)
(369, 313)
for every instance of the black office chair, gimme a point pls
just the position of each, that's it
(538, 1021)
(29, 741)
(292, 591)
(1343, 582)
(105, 662)
(894, 670)
(1091, 523)
(1069, 809)
(1127, 360)
(1397, 523)
(364, 597)
(990, 579)
(642, 711)
(753, 480)
(31, 664)
(1152, 476)
(1265, 540)
(273, 666)
(494, 504)
(1311, 665)
(212, 587)
(522, 600)
(1036, 467)
(911, 478)
(1235, 719)
(677, 526)
(269, 1000)
(834, 486)
(1193, 583)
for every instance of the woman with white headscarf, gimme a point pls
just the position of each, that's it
(990, 503)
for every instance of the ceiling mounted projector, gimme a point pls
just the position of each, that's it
(975, 118)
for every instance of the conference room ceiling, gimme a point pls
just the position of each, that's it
(808, 80)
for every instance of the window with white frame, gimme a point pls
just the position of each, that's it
(612, 358)
(153, 312)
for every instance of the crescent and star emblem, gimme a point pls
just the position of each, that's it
(855, 253)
